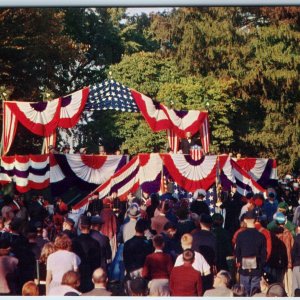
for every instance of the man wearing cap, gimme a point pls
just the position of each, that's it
(270, 206)
(281, 259)
(250, 254)
(283, 208)
(103, 240)
(127, 230)
(199, 205)
(68, 228)
(89, 252)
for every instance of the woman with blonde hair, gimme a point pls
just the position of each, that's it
(40, 279)
(60, 262)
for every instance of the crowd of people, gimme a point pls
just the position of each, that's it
(153, 245)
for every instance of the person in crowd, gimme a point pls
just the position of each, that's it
(184, 279)
(8, 270)
(199, 205)
(270, 206)
(102, 150)
(258, 225)
(276, 290)
(223, 248)
(89, 252)
(184, 223)
(222, 286)
(249, 204)
(158, 221)
(171, 240)
(20, 248)
(204, 241)
(100, 281)
(283, 208)
(157, 269)
(41, 266)
(60, 262)
(250, 254)
(109, 227)
(136, 250)
(296, 259)
(199, 263)
(127, 230)
(103, 240)
(138, 287)
(30, 289)
(68, 228)
(69, 285)
(232, 204)
(281, 258)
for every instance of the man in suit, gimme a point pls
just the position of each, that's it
(100, 280)
(186, 143)
(89, 251)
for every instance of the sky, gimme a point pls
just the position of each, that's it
(139, 10)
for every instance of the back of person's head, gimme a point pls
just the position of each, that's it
(205, 220)
(223, 278)
(47, 249)
(158, 242)
(169, 225)
(71, 278)
(63, 242)
(188, 256)
(239, 290)
(182, 213)
(141, 226)
(138, 287)
(30, 289)
(186, 241)
(276, 290)
(297, 293)
(99, 276)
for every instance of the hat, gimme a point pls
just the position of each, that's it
(70, 221)
(106, 201)
(38, 224)
(96, 220)
(271, 195)
(85, 220)
(280, 218)
(133, 211)
(250, 214)
(283, 206)
(67, 146)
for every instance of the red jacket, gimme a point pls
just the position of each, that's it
(185, 281)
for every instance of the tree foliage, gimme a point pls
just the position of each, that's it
(240, 63)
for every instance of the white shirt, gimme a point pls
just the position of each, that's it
(199, 264)
(61, 262)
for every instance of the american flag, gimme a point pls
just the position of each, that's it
(211, 199)
(173, 140)
(182, 193)
(110, 94)
(196, 152)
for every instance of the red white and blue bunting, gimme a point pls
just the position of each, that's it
(42, 118)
